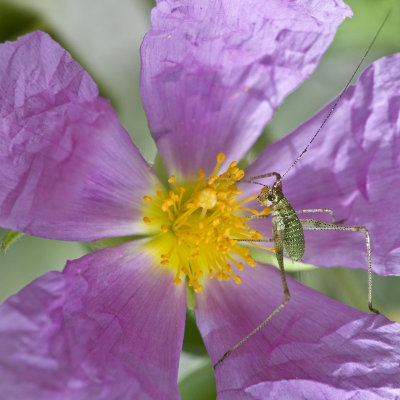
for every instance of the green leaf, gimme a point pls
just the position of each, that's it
(197, 379)
(192, 341)
(15, 21)
(9, 238)
(270, 258)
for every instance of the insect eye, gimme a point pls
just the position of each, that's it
(271, 197)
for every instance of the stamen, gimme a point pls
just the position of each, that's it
(200, 227)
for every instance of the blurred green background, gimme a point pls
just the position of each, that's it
(104, 36)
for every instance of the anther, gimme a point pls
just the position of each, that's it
(199, 231)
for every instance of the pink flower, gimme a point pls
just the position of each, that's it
(110, 326)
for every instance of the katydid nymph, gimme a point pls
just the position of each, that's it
(288, 228)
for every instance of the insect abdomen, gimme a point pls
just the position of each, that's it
(291, 230)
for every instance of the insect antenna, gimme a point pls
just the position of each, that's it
(339, 98)
(251, 181)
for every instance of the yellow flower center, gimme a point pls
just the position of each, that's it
(199, 227)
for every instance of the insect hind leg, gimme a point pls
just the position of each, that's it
(313, 224)
(279, 255)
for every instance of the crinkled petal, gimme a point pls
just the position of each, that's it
(213, 72)
(352, 167)
(314, 348)
(110, 326)
(68, 169)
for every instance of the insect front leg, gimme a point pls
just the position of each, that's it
(313, 224)
(279, 255)
(253, 178)
(277, 176)
(262, 216)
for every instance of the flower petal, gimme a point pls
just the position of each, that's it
(315, 347)
(352, 168)
(110, 326)
(68, 169)
(214, 72)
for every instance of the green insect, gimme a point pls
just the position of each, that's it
(288, 228)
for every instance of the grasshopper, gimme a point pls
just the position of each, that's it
(288, 228)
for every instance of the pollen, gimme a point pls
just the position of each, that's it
(197, 228)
